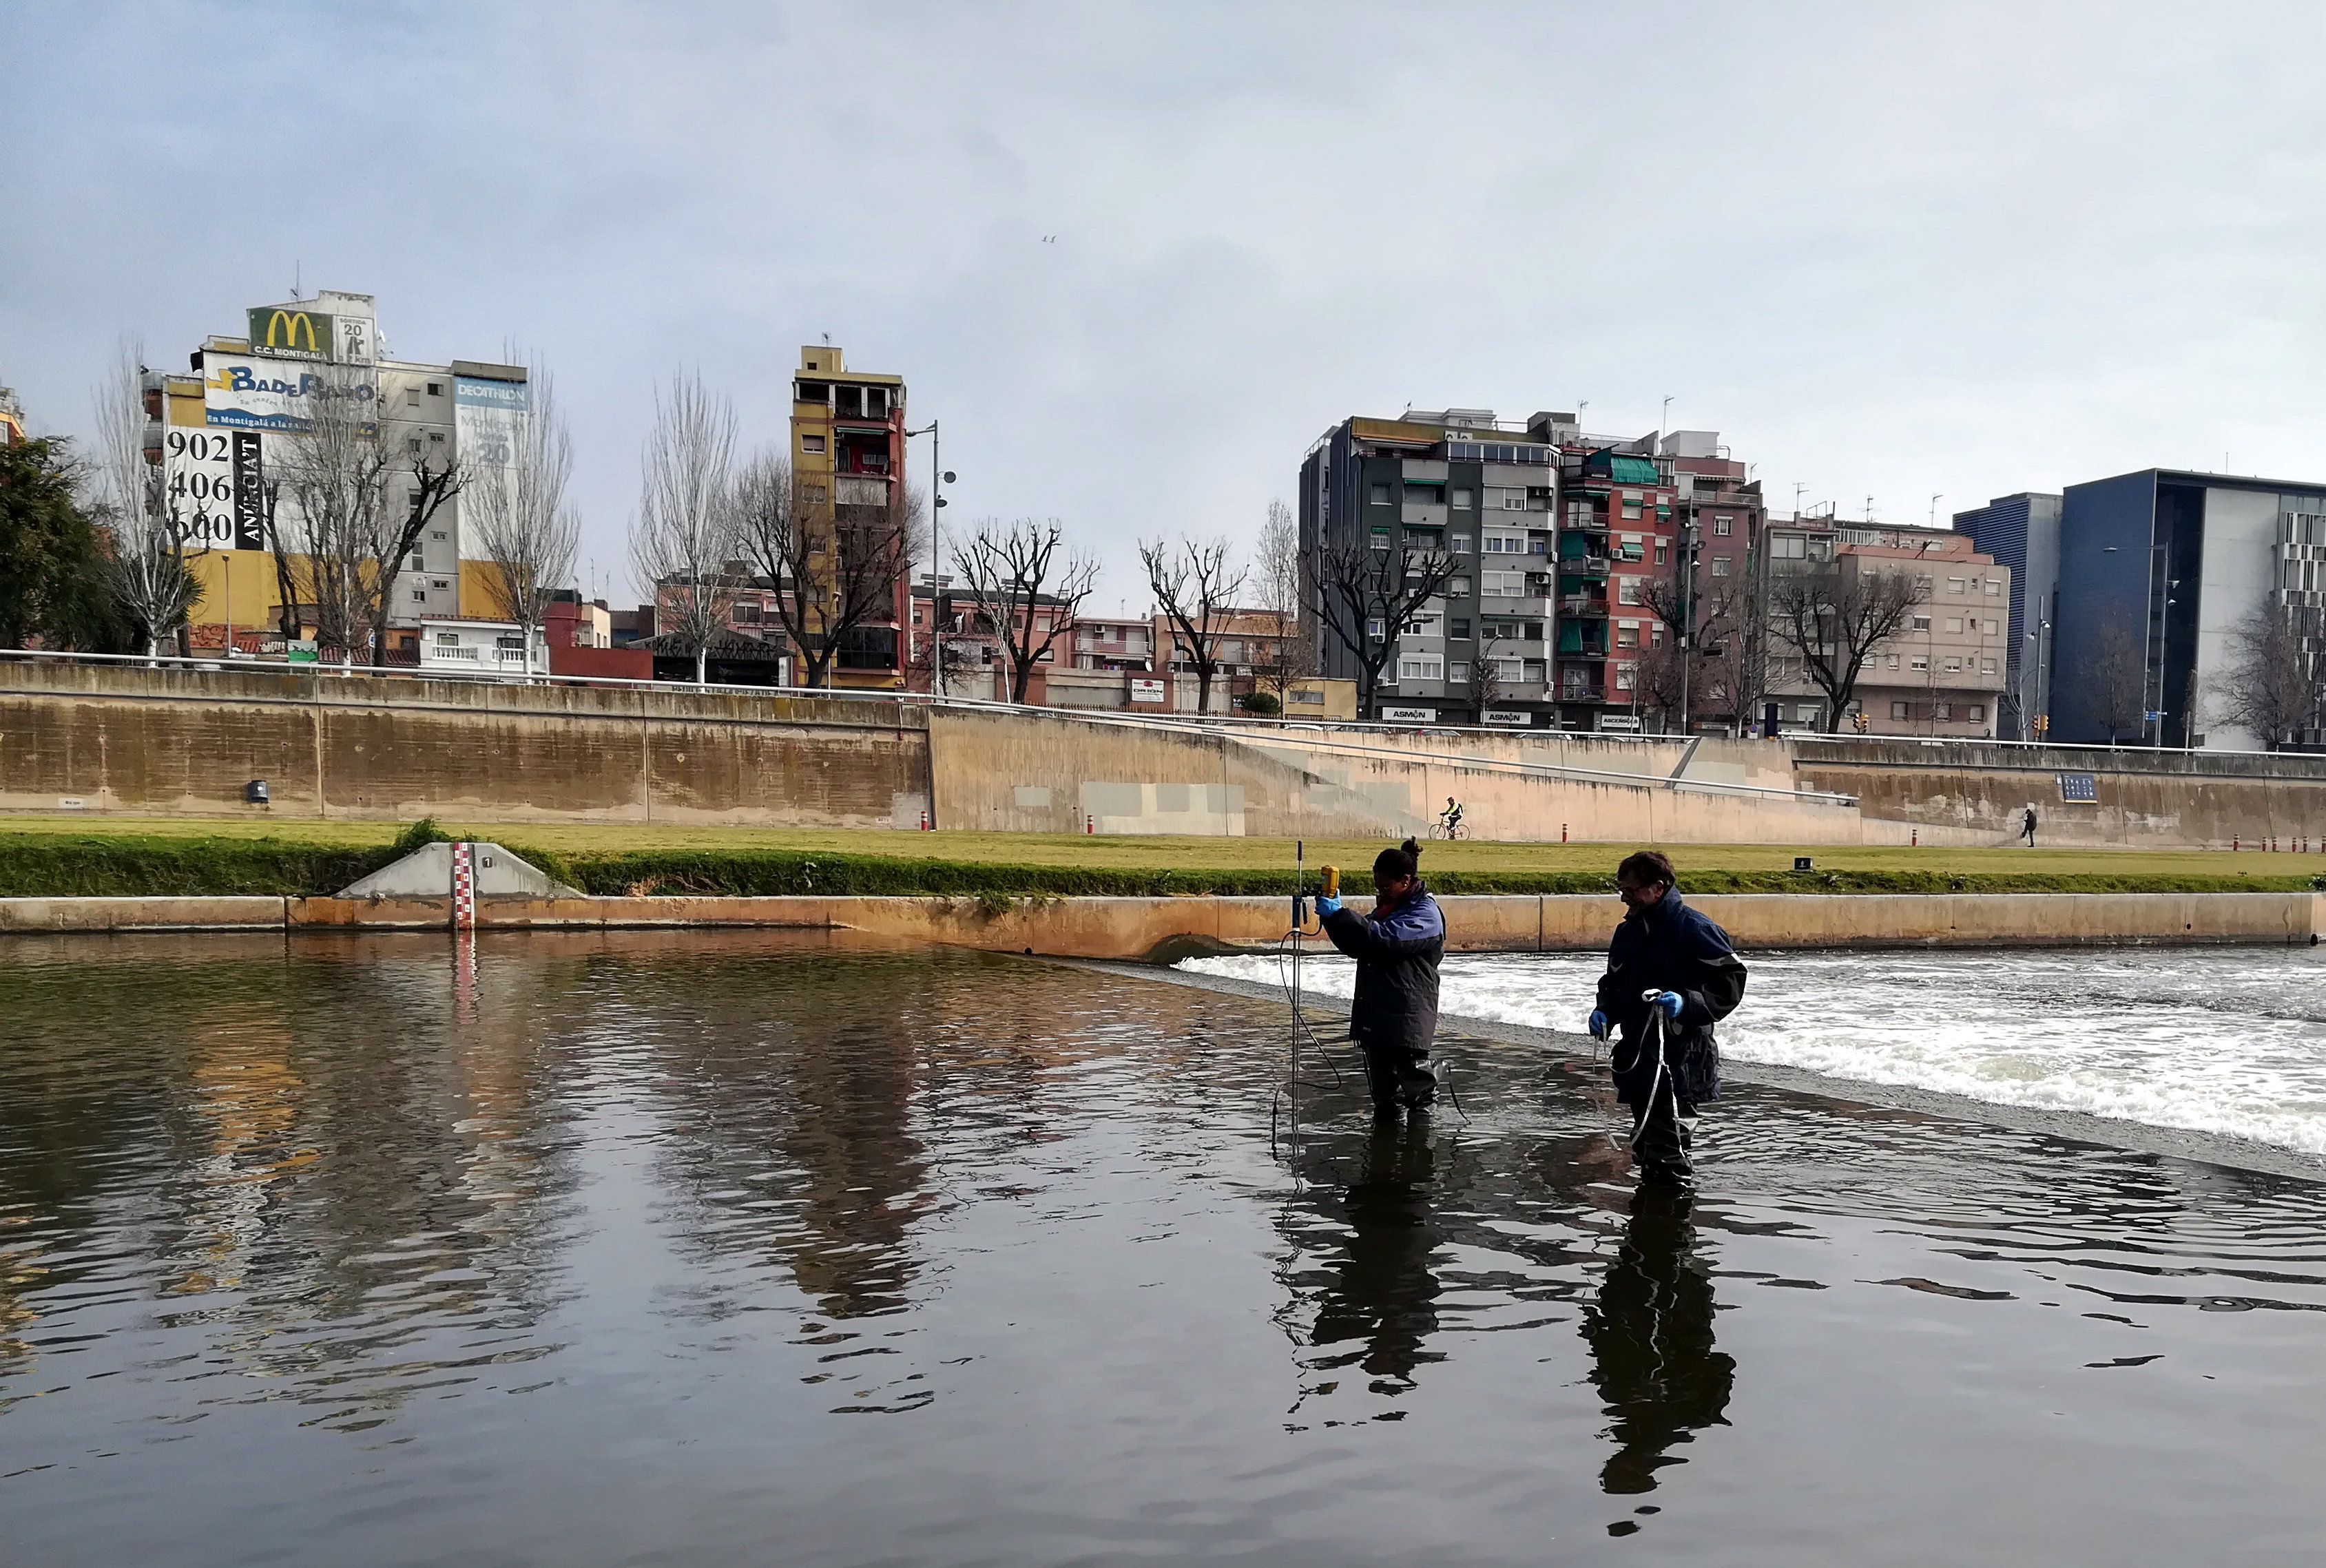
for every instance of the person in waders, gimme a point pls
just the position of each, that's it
(1671, 975)
(1398, 948)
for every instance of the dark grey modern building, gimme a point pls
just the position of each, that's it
(1453, 482)
(2022, 532)
(2167, 563)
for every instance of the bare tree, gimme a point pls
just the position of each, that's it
(2268, 687)
(686, 538)
(1832, 619)
(1291, 654)
(525, 522)
(339, 479)
(1657, 681)
(1366, 597)
(2118, 679)
(1732, 649)
(152, 533)
(1027, 587)
(832, 575)
(1196, 585)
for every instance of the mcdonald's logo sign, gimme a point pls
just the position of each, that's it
(299, 334)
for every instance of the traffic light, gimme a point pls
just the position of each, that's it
(1859, 722)
(2042, 725)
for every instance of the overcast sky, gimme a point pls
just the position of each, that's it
(1885, 250)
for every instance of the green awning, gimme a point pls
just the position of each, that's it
(1631, 470)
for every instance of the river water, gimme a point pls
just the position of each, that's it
(2215, 1040)
(707, 1249)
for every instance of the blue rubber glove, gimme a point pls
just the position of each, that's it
(1671, 1004)
(1598, 1025)
(1327, 904)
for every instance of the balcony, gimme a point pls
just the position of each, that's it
(1583, 565)
(1583, 604)
(1576, 692)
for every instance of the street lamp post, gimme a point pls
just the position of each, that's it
(938, 479)
(1687, 549)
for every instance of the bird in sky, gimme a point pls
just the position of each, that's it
(1049, 239)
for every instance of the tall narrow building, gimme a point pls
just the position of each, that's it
(848, 461)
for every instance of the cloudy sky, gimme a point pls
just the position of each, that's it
(1885, 250)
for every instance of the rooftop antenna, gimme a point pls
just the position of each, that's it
(1869, 508)
(1798, 486)
(1935, 496)
(297, 269)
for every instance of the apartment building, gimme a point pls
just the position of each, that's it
(215, 430)
(1458, 482)
(848, 460)
(1720, 512)
(1943, 671)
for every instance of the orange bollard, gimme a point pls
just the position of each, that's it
(1090, 823)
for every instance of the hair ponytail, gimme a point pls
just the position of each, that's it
(1392, 865)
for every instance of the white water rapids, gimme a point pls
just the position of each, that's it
(2215, 1040)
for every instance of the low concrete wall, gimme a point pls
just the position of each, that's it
(1147, 928)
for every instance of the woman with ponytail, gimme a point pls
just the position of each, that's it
(1398, 948)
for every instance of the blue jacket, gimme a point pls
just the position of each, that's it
(1669, 946)
(1397, 953)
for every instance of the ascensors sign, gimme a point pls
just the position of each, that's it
(250, 393)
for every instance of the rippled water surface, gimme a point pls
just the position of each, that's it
(725, 1249)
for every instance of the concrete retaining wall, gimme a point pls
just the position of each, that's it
(1144, 928)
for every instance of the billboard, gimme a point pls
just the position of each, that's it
(198, 484)
(1509, 718)
(1410, 715)
(249, 392)
(1146, 690)
(293, 332)
(487, 415)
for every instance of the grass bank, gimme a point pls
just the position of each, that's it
(85, 856)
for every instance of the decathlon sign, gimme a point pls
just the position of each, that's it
(249, 393)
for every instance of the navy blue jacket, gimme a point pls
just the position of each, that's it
(1669, 946)
(1397, 955)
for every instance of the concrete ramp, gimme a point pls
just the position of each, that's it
(427, 873)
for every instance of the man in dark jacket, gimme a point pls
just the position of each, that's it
(1394, 1017)
(1666, 1062)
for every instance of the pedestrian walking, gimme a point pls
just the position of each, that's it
(1398, 948)
(2027, 827)
(1671, 975)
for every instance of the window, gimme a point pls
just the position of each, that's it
(436, 533)
(1922, 623)
(1656, 635)
(1503, 584)
(1457, 674)
(1630, 508)
(1461, 545)
(1381, 537)
(1720, 566)
(1922, 581)
(1458, 587)
(1425, 495)
(1946, 711)
(1893, 661)
(1919, 661)
(811, 443)
(1627, 634)
(1986, 666)
(1954, 585)
(1787, 547)
(1462, 500)
(436, 437)
(1954, 626)
(415, 563)
(1721, 526)
(1995, 585)
(411, 397)
(1976, 714)
(1378, 495)
(1954, 666)
(1628, 589)
(1374, 630)
(435, 389)
(1663, 553)
(1625, 675)
(419, 596)
(1421, 668)
(509, 645)
(1459, 630)
(1901, 711)
(1507, 543)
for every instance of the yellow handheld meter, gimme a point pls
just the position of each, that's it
(1332, 875)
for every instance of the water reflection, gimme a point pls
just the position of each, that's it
(1379, 1294)
(1652, 1355)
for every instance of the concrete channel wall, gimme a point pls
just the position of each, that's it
(1154, 928)
(184, 742)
